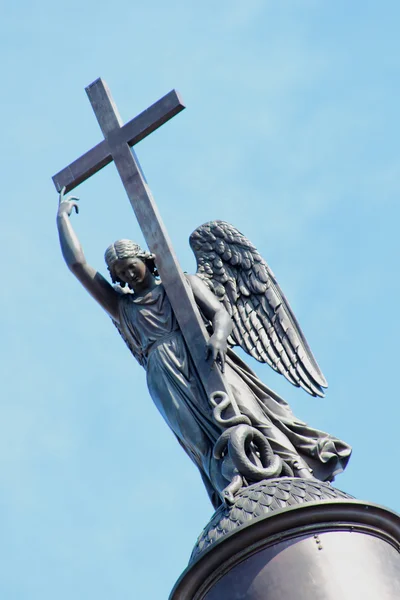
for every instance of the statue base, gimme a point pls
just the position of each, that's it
(335, 547)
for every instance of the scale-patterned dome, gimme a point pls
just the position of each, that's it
(260, 499)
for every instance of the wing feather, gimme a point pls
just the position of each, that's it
(263, 322)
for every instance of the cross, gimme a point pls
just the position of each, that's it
(116, 146)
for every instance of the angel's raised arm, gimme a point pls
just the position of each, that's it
(72, 251)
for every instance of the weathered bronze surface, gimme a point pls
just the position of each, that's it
(182, 329)
(258, 501)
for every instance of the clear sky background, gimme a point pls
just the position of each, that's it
(291, 133)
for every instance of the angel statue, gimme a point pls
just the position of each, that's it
(242, 305)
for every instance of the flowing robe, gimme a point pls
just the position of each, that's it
(150, 329)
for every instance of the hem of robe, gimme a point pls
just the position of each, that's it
(326, 455)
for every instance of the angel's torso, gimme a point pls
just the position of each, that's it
(147, 319)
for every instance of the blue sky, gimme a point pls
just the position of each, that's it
(291, 133)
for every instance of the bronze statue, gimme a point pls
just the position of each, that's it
(253, 434)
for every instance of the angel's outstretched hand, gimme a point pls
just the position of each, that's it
(66, 205)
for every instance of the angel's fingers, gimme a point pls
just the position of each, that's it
(76, 207)
(214, 355)
(69, 198)
(61, 196)
(222, 359)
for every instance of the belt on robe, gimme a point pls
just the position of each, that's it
(161, 340)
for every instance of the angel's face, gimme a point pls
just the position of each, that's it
(134, 272)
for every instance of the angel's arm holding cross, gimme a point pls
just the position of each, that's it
(104, 293)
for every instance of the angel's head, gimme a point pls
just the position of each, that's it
(129, 264)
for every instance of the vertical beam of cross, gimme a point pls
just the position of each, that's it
(116, 146)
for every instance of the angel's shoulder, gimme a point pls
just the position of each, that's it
(191, 277)
(196, 281)
(123, 292)
(124, 295)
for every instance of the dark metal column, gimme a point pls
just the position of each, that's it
(330, 550)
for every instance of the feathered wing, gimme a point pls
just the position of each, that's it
(263, 322)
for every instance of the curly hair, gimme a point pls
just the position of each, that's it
(122, 249)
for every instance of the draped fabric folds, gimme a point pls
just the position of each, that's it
(151, 331)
